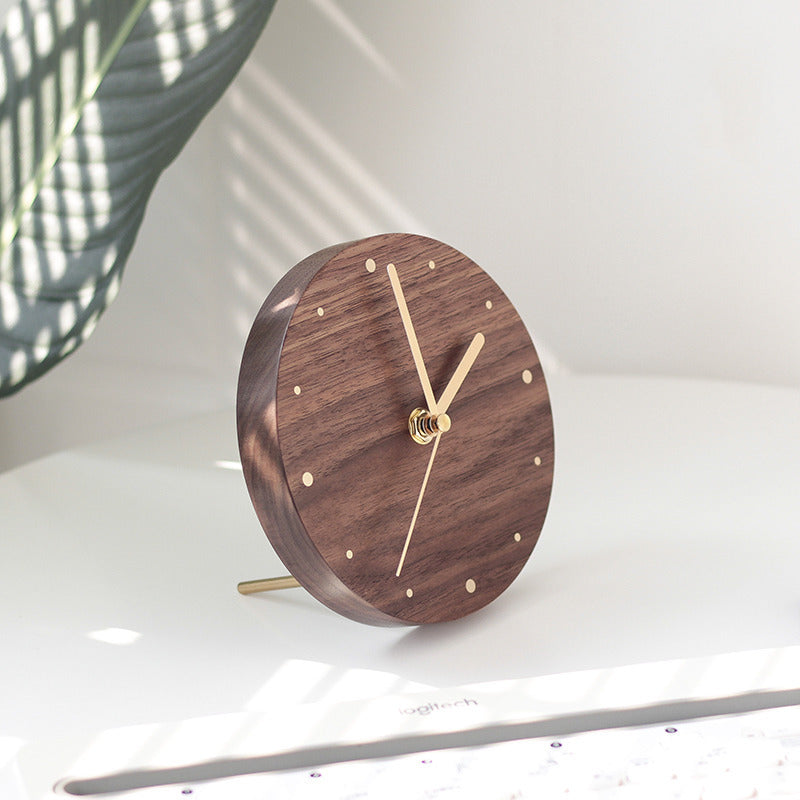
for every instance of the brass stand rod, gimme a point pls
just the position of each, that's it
(267, 585)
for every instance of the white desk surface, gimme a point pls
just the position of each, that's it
(673, 535)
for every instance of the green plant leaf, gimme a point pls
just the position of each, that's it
(97, 97)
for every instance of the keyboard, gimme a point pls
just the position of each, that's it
(732, 757)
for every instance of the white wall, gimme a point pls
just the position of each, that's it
(627, 171)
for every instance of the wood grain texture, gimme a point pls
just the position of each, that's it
(326, 387)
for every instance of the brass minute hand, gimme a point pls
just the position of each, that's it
(462, 369)
(416, 353)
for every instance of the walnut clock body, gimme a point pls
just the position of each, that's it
(395, 430)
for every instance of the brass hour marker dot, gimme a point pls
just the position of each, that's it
(308, 478)
(349, 554)
(320, 311)
(297, 390)
(470, 586)
(432, 264)
(370, 265)
(527, 376)
(489, 304)
(409, 592)
(517, 537)
(537, 461)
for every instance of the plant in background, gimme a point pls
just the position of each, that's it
(97, 97)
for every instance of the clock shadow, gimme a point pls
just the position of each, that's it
(497, 642)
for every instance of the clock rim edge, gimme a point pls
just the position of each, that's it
(260, 451)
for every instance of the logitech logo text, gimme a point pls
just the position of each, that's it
(429, 708)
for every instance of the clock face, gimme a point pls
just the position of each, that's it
(375, 524)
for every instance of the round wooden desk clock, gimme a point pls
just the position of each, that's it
(395, 431)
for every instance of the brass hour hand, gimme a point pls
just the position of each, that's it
(461, 372)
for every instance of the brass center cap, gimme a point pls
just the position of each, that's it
(424, 426)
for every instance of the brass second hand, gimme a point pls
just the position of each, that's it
(419, 503)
